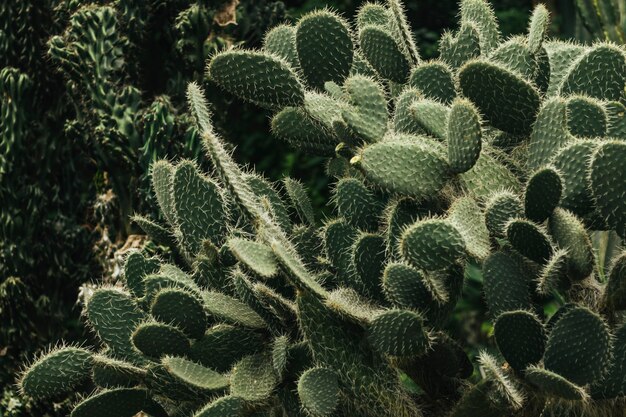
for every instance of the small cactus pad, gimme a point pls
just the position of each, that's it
(530, 240)
(608, 183)
(434, 80)
(586, 118)
(580, 337)
(542, 194)
(570, 234)
(325, 49)
(281, 41)
(194, 375)
(136, 267)
(599, 73)
(199, 207)
(57, 372)
(410, 167)
(231, 310)
(114, 316)
(407, 287)
(521, 338)
(464, 136)
(572, 162)
(506, 284)
(223, 345)
(457, 50)
(162, 176)
(466, 216)
(229, 406)
(554, 384)
(181, 309)
(500, 209)
(298, 129)
(383, 53)
(157, 340)
(505, 99)
(253, 76)
(253, 378)
(357, 204)
(120, 402)
(318, 389)
(399, 333)
(432, 244)
(367, 115)
(111, 373)
(431, 116)
(255, 255)
(480, 13)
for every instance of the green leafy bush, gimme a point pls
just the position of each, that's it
(502, 155)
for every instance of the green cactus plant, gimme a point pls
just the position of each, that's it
(490, 181)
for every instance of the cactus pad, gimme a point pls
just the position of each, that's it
(608, 183)
(325, 49)
(318, 390)
(493, 89)
(542, 194)
(464, 136)
(521, 338)
(580, 337)
(399, 333)
(432, 244)
(57, 372)
(269, 81)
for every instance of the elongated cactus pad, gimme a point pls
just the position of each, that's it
(122, 402)
(464, 136)
(57, 372)
(195, 375)
(507, 286)
(529, 240)
(200, 207)
(229, 406)
(269, 81)
(407, 166)
(157, 340)
(509, 102)
(256, 256)
(608, 183)
(554, 384)
(542, 194)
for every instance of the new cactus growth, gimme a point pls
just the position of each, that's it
(479, 160)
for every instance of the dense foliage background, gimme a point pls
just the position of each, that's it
(91, 93)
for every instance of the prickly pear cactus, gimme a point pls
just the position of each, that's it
(503, 156)
(603, 19)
